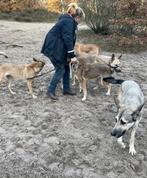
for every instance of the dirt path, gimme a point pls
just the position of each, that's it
(69, 138)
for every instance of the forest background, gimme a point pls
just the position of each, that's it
(115, 25)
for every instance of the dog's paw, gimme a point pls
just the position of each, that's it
(73, 84)
(34, 96)
(108, 94)
(132, 151)
(84, 98)
(121, 143)
(13, 93)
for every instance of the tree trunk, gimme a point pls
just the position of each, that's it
(62, 6)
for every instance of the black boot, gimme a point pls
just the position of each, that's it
(69, 92)
(52, 96)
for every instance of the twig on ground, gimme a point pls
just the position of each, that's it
(11, 45)
(3, 54)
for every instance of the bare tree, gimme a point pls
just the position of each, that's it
(62, 6)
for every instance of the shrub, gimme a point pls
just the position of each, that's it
(98, 14)
(131, 17)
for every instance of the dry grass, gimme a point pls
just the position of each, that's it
(29, 15)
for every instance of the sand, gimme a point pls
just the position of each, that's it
(69, 138)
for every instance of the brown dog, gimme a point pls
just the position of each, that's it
(87, 48)
(21, 72)
(92, 58)
(86, 71)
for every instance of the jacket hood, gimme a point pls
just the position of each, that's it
(67, 16)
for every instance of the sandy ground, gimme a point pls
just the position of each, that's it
(69, 138)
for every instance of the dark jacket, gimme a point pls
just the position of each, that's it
(60, 40)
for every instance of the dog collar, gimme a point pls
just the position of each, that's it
(113, 67)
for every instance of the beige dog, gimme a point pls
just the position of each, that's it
(86, 71)
(21, 72)
(87, 48)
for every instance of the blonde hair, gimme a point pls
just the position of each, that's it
(72, 8)
(75, 10)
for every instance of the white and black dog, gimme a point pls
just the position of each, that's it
(130, 102)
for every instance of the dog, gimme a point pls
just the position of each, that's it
(92, 58)
(21, 72)
(81, 48)
(86, 71)
(129, 102)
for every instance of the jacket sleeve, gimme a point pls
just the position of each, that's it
(68, 37)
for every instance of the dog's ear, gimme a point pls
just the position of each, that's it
(34, 59)
(120, 56)
(140, 107)
(121, 114)
(136, 113)
(112, 57)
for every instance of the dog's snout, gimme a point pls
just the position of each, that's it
(117, 133)
(118, 69)
(113, 133)
(43, 63)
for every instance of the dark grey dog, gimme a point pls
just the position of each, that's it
(130, 102)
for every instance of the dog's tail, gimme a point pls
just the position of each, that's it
(113, 80)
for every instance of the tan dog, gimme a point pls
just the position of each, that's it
(21, 72)
(86, 71)
(87, 48)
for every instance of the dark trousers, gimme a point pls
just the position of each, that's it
(61, 71)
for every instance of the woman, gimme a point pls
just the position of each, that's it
(59, 48)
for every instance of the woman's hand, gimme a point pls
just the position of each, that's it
(73, 60)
